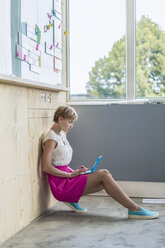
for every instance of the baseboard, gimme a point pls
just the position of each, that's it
(140, 189)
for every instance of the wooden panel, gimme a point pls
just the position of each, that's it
(41, 194)
(40, 113)
(40, 119)
(140, 189)
(24, 189)
(15, 192)
(34, 99)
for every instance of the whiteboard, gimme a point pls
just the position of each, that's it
(30, 47)
(5, 40)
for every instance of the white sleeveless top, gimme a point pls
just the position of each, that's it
(62, 154)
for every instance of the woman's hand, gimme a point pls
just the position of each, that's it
(83, 167)
(78, 171)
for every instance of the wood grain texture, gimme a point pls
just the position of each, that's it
(24, 189)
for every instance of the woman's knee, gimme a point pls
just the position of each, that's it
(105, 173)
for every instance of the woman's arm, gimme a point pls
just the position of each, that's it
(70, 168)
(47, 158)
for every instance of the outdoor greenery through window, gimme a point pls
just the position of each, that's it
(150, 48)
(98, 51)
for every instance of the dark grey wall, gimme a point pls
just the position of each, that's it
(131, 139)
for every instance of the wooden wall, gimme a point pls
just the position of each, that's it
(24, 190)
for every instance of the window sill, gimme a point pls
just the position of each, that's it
(115, 102)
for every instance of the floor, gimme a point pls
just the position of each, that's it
(105, 225)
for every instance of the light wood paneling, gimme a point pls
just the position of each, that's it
(24, 189)
(140, 189)
(14, 176)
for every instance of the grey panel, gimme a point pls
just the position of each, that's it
(130, 137)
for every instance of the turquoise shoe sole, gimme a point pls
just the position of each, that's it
(76, 207)
(143, 214)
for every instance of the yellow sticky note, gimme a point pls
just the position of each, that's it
(39, 61)
(65, 33)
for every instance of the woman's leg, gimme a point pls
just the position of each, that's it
(102, 179)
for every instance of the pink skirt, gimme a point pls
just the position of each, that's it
(67, 189)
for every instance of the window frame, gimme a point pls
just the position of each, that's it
(130, 7)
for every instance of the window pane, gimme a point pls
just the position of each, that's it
(150, 48)
(97, 49)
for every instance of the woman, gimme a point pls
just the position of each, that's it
(69, 185)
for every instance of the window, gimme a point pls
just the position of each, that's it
(97, 49)
(150, 48)
(117, 49)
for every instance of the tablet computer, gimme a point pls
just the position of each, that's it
(94, 166)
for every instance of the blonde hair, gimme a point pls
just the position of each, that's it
(65, 112)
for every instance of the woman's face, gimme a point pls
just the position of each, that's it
(65, 124)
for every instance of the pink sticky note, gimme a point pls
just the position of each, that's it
(24, 57)
(49, 16)
(57, 44)
(18, 54)
(51, 46)
(59, 26)
(37, 47)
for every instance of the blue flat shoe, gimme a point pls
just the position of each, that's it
(76, 207)
(143, 214)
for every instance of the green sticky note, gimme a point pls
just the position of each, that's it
(38, 33)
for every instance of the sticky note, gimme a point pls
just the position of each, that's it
(38, 32)
(65, 33)
(18, 54)
(37, 47)
(45, 28)
(49, 16)
(39, 61)
(54, 12)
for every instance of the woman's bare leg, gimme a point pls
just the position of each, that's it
(102, 179)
